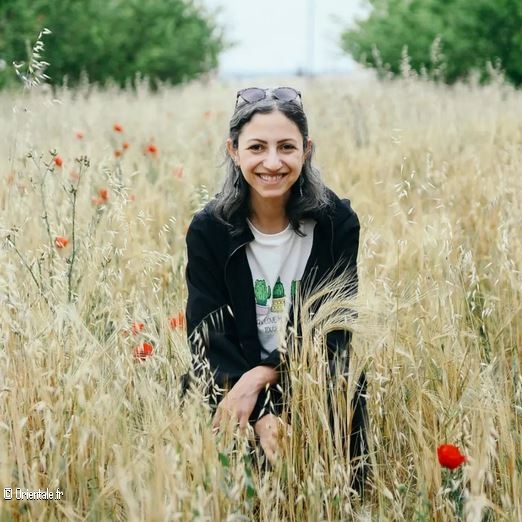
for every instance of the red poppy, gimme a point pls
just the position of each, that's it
(58, 161)
(177, 321)
(118, 153)
(103, 198)
(117, 127)
(151, 148)
(61, 241)
(450, 456)
(137, 327)
(125, 145)
(104, 194)
(142, 351)
(79, 135)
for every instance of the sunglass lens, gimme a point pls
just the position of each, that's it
(252, 94)
(286, 93)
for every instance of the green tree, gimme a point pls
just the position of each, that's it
(164, 40)
(470, 35)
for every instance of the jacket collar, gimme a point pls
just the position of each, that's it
(239, 240)
(323, 222)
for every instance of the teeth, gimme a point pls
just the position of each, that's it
(271, 179)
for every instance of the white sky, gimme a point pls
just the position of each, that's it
(284, 36)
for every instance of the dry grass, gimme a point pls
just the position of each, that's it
(434, 173)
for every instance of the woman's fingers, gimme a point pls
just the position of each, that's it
(270, 446)
(243, 421)
(269, 429)
(270, 452)
(226, 414)
(236, 406)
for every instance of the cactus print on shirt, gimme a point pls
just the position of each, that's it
(277, 262)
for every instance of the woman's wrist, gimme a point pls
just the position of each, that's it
(263, 375)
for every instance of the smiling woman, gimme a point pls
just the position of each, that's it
(273, 230)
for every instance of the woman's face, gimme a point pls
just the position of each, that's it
(270, 154)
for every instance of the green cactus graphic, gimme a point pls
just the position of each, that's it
(279, 289)
(278, 297)
(262, 292)
(294, 288)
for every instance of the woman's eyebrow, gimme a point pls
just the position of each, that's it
(259, 140)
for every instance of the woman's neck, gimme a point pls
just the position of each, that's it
(268, 216)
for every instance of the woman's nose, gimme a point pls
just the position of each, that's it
(272, 161)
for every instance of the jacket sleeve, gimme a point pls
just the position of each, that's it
(346, 247)
(211, 327)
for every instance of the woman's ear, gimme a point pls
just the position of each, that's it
(232, 151)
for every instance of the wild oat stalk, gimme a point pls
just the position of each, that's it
(34, 73)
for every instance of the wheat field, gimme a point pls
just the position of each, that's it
(98, 188)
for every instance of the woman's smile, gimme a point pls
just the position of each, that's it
(271, 179)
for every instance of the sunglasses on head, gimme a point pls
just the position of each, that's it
(255, 94)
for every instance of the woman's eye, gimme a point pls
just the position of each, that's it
(256, 147)
(288, 146)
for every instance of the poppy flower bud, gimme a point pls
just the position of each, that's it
(61, 241)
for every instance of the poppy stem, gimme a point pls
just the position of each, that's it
(45, 217)
(72, 259)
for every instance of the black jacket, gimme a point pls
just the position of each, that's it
(221, 290)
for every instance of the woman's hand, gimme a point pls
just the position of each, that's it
(239, 402)
(269, 430)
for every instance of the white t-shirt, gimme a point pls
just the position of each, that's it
(277, 262)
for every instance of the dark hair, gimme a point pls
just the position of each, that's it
(308, 195)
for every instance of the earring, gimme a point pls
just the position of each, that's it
(301, 183)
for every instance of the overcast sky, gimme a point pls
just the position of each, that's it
(284, 36)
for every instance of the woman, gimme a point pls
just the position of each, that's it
(273, 228)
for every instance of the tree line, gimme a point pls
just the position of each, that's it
(448, 40)
(171, 41)
(110, 40)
